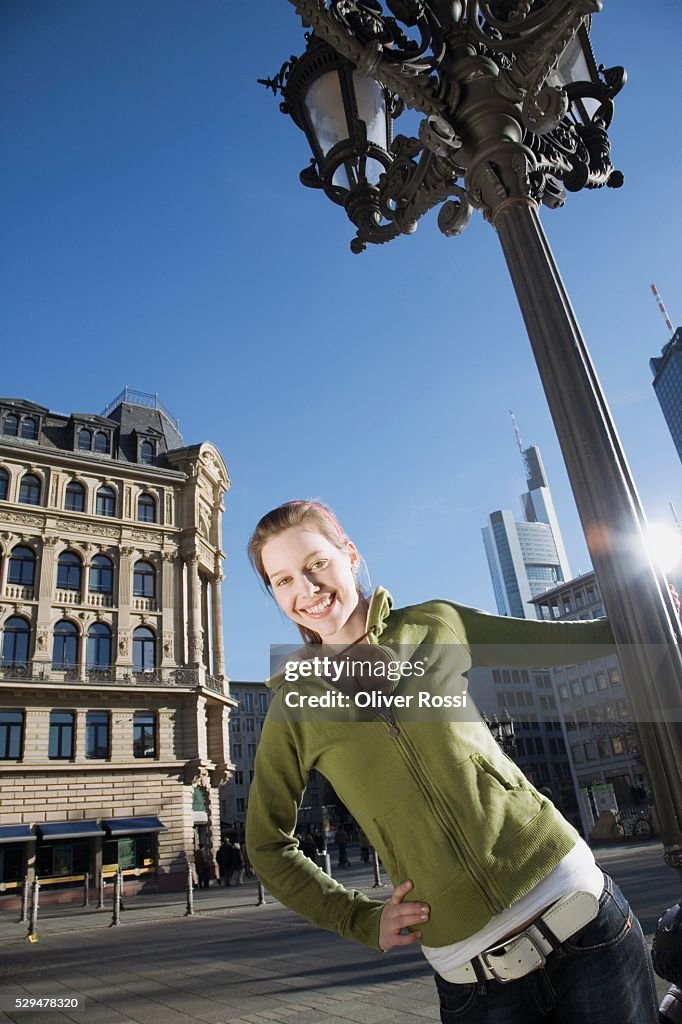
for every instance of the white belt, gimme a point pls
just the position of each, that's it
(528, 950)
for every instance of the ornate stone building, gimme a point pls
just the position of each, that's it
(113, 698)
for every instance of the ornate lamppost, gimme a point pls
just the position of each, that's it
(503, 732)
(515, 115)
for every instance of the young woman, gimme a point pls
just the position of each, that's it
(517, 920)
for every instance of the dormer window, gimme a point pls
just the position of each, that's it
(89, 439)
(29, 428)
(10, 425)
(102, 442)
(21, 422)
(147, 453)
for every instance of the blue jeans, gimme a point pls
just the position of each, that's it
(602, 973)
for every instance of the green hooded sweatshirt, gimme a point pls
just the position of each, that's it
(440, 802)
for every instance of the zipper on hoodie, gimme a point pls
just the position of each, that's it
(448, 823)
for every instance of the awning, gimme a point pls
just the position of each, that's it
(132, 826)
(16, 834)
(69, 829)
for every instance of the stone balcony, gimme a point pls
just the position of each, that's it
(113, 675)
(17, 592)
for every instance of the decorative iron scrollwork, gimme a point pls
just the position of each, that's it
(459, 61)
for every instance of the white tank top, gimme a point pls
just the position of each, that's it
(577, 870)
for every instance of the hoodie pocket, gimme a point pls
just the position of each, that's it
(415, 846)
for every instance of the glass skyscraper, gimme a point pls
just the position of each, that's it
(526, 557)
(667, 371)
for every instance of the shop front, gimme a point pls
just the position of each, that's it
(16, 850)
(131, 846)
(66, 852)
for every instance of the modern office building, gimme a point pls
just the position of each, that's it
(113, 698)
(526, 557)
(667, 383)
(318, 806)
(597, 725)
(252, 700)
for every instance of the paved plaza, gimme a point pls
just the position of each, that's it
(236, 963)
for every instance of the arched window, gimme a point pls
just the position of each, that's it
(101, 575)
(102, 442)
(11, 425)
(15, 641)
(29, 428)
(144, 580)
(106, 502)
(65, 646)
(75, 497)
(4, 484)
(99, 646)
(144, 650)
(85, 439)
(147, 453)
(146, 509)
(29, 491)
(22, 567)
(69, 571)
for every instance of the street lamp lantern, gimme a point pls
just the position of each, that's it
(346, 117)
(529, 80)
(507, 725)
(502, 731)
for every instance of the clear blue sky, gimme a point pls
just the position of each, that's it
(154, 233)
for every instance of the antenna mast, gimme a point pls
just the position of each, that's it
(664, 311)
(517, 434)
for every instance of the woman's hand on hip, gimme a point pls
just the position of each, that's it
(397, 915)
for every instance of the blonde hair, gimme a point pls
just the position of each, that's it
(308, 514)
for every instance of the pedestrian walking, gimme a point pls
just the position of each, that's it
(309, 848)
(202, 863)
(517, 920)
(236, 865)
(341, 840)
(223, 858)
(320, 841)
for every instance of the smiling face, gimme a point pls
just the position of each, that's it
(313, 583)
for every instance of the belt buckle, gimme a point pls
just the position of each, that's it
(484, 956)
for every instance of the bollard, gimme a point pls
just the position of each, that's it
(100, 905)
(86, 889)
(377, 872)
(32, 935)
(324, 861)
(116, 915)
(24, 901)
(120, 902)
(189, 889)
(261, 894)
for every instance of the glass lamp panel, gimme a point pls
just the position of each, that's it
(342, 179)
(326, 111)
(574, 67)
(369, 97)
(372, 171)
